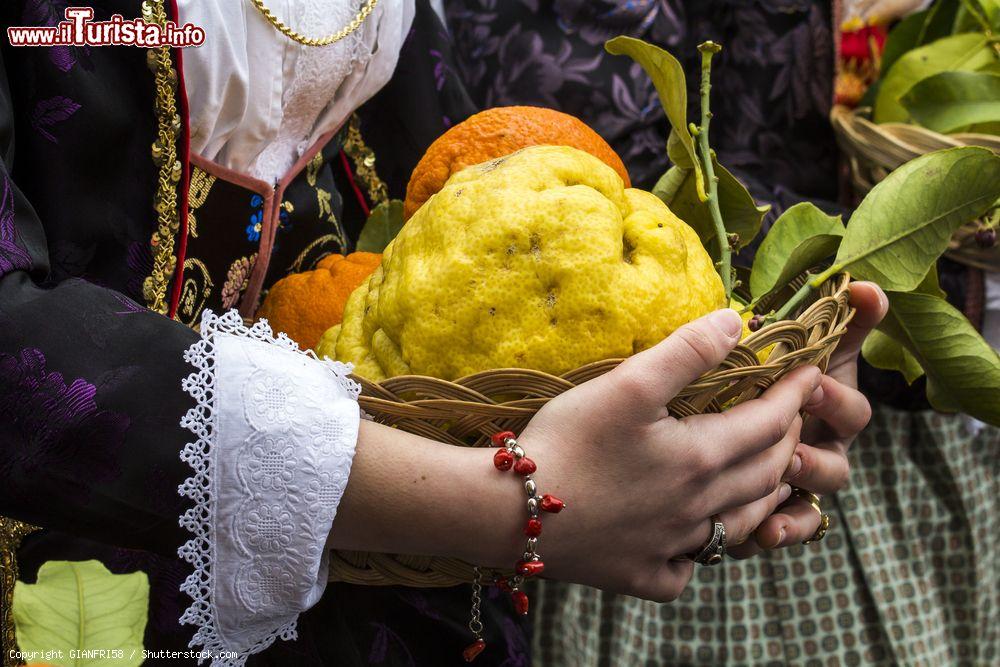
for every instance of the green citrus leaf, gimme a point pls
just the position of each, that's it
(882, 351)
(963, 371)
(677, 153)
(670, 184)
(967, 52)
(381, 227)
(904, 224)
(802, 237)
(951, 101)
(668, 78)
(940, 21)
(905, 35)
(741, 214)
(80, 606)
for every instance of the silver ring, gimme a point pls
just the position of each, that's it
(715, 549)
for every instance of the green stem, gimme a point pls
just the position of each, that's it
(709, 49)
(980, 19)
(813, 283)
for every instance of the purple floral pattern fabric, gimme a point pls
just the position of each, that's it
(771, 93)
(54, 426)
(12, 256)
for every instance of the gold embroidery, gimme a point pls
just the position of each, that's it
(364, 163)
(195, 291)
(237, 280)
(299, 263)
(324, 198)
(201, 185)
(312, 169)
(164, 152)
(11, 534)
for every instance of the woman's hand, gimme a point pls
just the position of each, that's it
(837, 413)
(640, 485)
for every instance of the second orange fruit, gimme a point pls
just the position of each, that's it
(497, 132)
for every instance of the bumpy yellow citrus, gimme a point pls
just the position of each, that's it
(541, 259)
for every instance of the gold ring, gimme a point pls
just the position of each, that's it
(809, 497)
(824, 519)
(824, 525)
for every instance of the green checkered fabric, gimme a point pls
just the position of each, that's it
(907, 575)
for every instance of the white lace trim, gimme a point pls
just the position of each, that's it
(290, 480)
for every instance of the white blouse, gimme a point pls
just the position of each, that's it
(274, 429)
(259, 100)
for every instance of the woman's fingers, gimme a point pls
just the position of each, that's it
(753, 478)
(754, 426)
(794, 523)
(820, 470)
(649, 379)
(871, 305)
(741, 522)
(844, 410)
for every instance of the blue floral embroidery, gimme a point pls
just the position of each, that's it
(256, 218)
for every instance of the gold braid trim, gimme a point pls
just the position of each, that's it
(364, 163)
(11, 534)
(164, 152)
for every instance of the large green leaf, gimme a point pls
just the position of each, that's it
(802, 237)
(939, 22)
(668, 77)
(381, 227)
(740, 213)
(677, 152)
(966, 52)
(882, 351)
(904, 36)
(79, 606)
(963, 371)
(904, 224)
(951, 101)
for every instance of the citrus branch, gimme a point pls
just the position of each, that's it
(707, 50)
(812, 283)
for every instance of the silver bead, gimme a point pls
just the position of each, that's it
(530, 487)
(517, 451)
(533, 506)
(530, 547)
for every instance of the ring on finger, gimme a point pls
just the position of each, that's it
(714, 550)
(824, 519)
(809, 497)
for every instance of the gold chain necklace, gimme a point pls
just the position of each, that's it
(295, 36)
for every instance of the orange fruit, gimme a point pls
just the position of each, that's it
(306, 304)
(497, 132)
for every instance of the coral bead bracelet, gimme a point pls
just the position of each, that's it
(510, 456)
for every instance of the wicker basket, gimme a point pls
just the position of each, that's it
(467, 411)
(874, 150)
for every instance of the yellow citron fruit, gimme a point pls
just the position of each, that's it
(541, 259)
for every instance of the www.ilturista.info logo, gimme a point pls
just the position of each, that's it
(80, 30)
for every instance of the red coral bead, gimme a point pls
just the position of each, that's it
(500, 439)
(503, 459)
(520, 599)
(524, 466)
(529, 568)
(473, 650)
(533, 528)
(503, 584)
(551, 504)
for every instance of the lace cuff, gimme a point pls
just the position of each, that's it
(275, 433)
